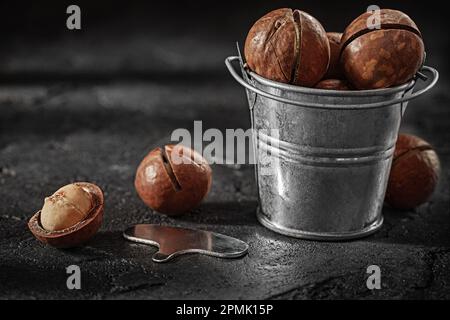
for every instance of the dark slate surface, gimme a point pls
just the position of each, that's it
(87, 115)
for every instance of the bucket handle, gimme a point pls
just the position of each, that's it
(435, 77)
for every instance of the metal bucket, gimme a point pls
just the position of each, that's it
(325, 171)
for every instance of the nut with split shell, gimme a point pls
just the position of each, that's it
(380, 58)
(173, 179)
(70, 233)
(288, 46)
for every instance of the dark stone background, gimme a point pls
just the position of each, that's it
(88, 105)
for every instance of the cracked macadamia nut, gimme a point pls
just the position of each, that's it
(173, 179)
(288, 46)
(65, 208)
(70, 217)
(414, 173)
(390, 55)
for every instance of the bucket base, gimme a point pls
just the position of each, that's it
(320, 236)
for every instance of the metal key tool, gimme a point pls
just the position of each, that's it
(175, 241)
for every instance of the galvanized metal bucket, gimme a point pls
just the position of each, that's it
(323, 175)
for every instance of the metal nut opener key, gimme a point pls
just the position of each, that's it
(175, 241)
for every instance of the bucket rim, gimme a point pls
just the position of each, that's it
(325, 92)
(406, 90)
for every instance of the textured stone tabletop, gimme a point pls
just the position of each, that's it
(57, 127)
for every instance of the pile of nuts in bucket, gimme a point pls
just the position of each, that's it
(291, 46)
(288, 46)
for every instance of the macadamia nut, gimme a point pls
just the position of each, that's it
(288, 46)
(375, 58)
(173, 180)
(65, 208)
(334, 69)
(414, 174)
(333, 84)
